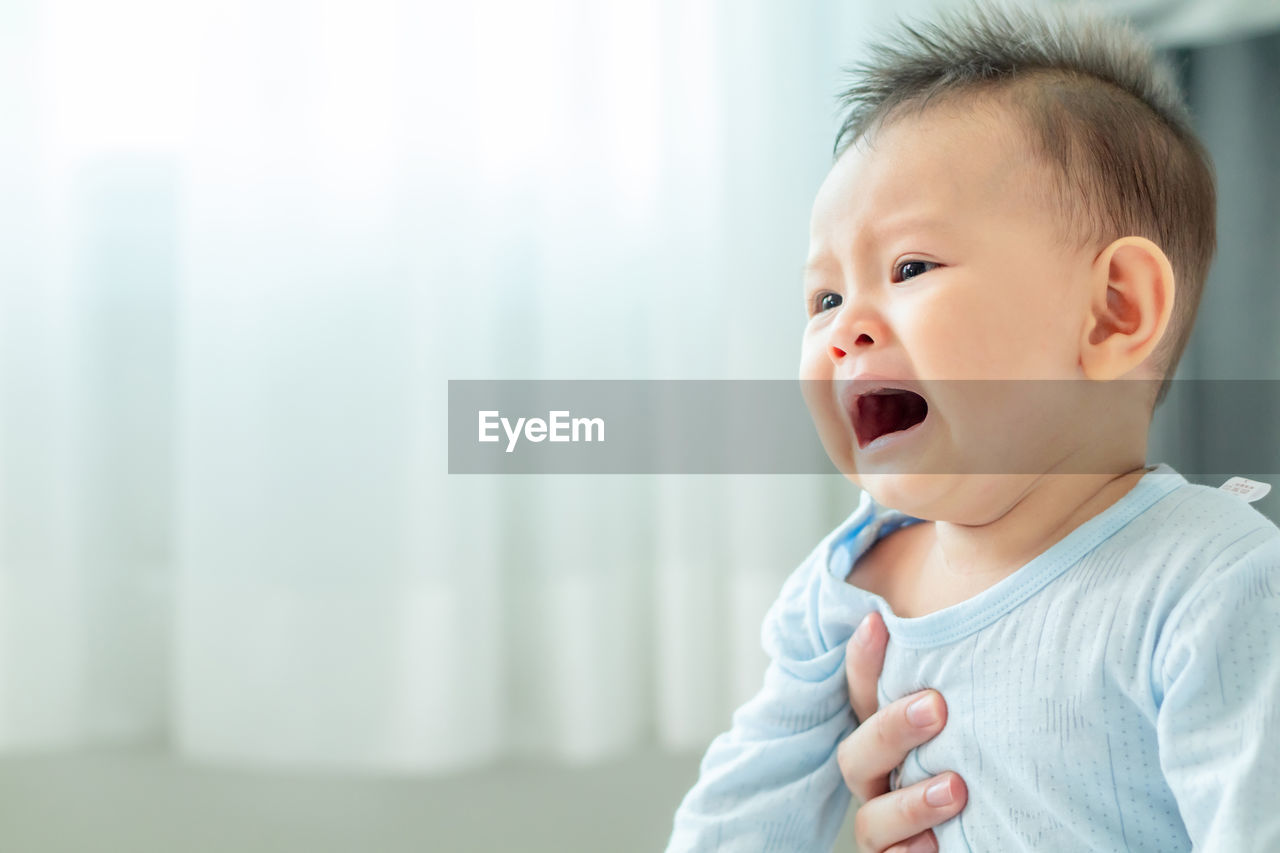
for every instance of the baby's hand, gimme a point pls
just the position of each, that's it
(892, 821)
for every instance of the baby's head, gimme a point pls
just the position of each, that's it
(1016, 196)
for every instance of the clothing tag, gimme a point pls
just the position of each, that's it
(1250, 490)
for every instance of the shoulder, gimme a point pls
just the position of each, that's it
(1219, 560)
(811, 610)
(1195, 531)
(1205, 531)
(1164, 556)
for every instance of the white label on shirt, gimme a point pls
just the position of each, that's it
(1250, 490)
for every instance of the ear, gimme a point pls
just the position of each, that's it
(1130, 304)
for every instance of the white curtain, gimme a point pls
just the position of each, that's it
(246, 245)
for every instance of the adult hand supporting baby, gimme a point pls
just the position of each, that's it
(892, 821)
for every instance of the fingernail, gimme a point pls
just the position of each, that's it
(863, 633)
(939, 793)
(923, 844)
(923, 712)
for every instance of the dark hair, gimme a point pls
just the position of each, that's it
(1096, 104)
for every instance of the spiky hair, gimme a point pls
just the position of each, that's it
(1095, 103)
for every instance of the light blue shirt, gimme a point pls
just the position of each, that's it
(1121, 691)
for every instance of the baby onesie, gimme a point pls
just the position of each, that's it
(1121, 691)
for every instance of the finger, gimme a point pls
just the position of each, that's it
(863, 660)
(925, 842)
(881, 743)
(887, 820)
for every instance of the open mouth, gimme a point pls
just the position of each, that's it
(885, 411)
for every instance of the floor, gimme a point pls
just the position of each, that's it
(142, 801)
(145, 802)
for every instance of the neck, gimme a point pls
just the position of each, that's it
(1051, 506)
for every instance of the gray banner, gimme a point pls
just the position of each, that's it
(638, 426)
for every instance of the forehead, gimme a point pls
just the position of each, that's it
(964, 168)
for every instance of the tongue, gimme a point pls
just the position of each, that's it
(882, 413)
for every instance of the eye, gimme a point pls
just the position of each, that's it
(901, 274)
(825, 302)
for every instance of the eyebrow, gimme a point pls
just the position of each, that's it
(894, 226)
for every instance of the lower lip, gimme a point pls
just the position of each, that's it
(892, 439)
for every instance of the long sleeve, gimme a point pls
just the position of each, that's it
(771, 783)
(1218, 721)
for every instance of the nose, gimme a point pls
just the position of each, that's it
(856, 330)
(863, 339)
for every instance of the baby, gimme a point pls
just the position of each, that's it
(1016, 196)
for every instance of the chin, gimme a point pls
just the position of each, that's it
(918, 495)
(971, 500)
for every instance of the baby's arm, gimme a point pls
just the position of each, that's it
(772, 783)
(1218, 721)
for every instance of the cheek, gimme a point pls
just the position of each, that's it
(816, 378)
(956, 339)
(1038, 314)
(992, 335)
(816, 386)
(814, 362)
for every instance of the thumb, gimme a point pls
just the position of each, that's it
(864, 659)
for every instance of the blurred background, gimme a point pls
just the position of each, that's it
(243, 606)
